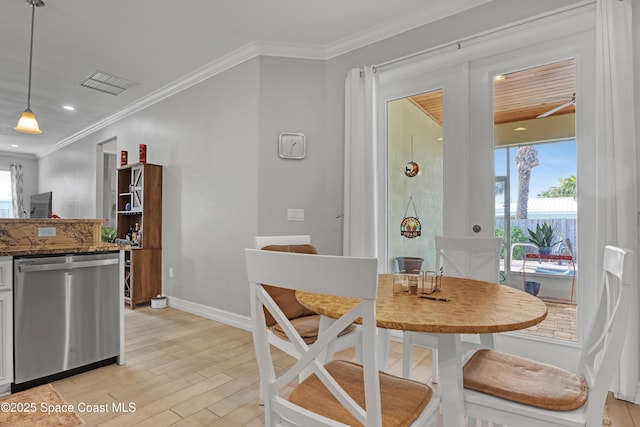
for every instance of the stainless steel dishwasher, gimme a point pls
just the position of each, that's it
(66, 314)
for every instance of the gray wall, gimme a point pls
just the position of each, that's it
(206, 138)
(292, 99)
(223, 180)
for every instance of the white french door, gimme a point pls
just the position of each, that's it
(467, 161)
(437, 147)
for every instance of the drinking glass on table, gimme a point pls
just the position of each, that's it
(416, 281)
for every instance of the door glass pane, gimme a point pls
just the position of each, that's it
(536, 204)
(414, 179)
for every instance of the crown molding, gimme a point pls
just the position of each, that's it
(386, 31)
(255, 49)
(18, 155)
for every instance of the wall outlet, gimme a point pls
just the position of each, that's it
(295, 214)
(46, 232)
(170, 271)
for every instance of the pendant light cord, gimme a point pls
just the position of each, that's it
(33, 14)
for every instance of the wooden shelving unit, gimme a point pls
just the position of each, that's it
(140, 202)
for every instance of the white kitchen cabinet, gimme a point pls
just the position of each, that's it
(6, 323)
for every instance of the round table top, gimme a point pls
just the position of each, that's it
(473, 307)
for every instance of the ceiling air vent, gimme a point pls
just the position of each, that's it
(107, 83)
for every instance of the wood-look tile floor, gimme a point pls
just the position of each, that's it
(184, 370)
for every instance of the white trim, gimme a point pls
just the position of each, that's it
(386, 31)
(222, 316)
(18, 155)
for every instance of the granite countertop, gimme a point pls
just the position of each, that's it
(21, 251)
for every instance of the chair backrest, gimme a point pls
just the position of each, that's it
(605, 338)
(262, 241)
(325, 274)
(471, 257)
(285, 298)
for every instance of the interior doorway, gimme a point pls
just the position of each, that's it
(107, 182)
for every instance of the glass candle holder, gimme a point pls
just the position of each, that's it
(399, 280)
(432, 282)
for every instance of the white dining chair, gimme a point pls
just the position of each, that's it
(309, 321)
(469, 257)
(337, 392)
(516, 391)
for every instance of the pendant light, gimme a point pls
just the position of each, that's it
(27, 122)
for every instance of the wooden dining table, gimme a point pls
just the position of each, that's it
(471, 307)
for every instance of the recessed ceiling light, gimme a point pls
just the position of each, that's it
(440, 139)
(499, 78)
(69, 107)
(520, 129)
(15, 145)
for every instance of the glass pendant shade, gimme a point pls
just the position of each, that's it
(28, 123)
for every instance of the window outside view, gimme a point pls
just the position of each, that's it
(536, 210)
(6, 208)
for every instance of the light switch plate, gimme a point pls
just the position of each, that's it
(295, 214)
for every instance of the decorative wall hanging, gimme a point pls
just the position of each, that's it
(411, 169)
(410, 226)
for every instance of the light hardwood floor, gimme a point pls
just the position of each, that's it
(184, 370)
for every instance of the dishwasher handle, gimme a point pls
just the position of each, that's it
(67, 265)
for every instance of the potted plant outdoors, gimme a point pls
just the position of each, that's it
(544, 237)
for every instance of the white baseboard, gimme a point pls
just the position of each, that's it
(226, 317)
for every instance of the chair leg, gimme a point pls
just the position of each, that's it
(383, 339)
(407, 355)
(434, 365)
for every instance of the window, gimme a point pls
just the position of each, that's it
(535, 162)
(6, 204)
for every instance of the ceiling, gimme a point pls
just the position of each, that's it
(159, 43)
(521, 95)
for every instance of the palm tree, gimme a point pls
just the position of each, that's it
(526, 159)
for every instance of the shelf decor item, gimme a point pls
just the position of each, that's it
(143, 153)
(124, 158)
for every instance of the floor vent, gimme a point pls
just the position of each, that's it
(107, 83)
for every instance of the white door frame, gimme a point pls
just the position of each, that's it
(569, 34)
